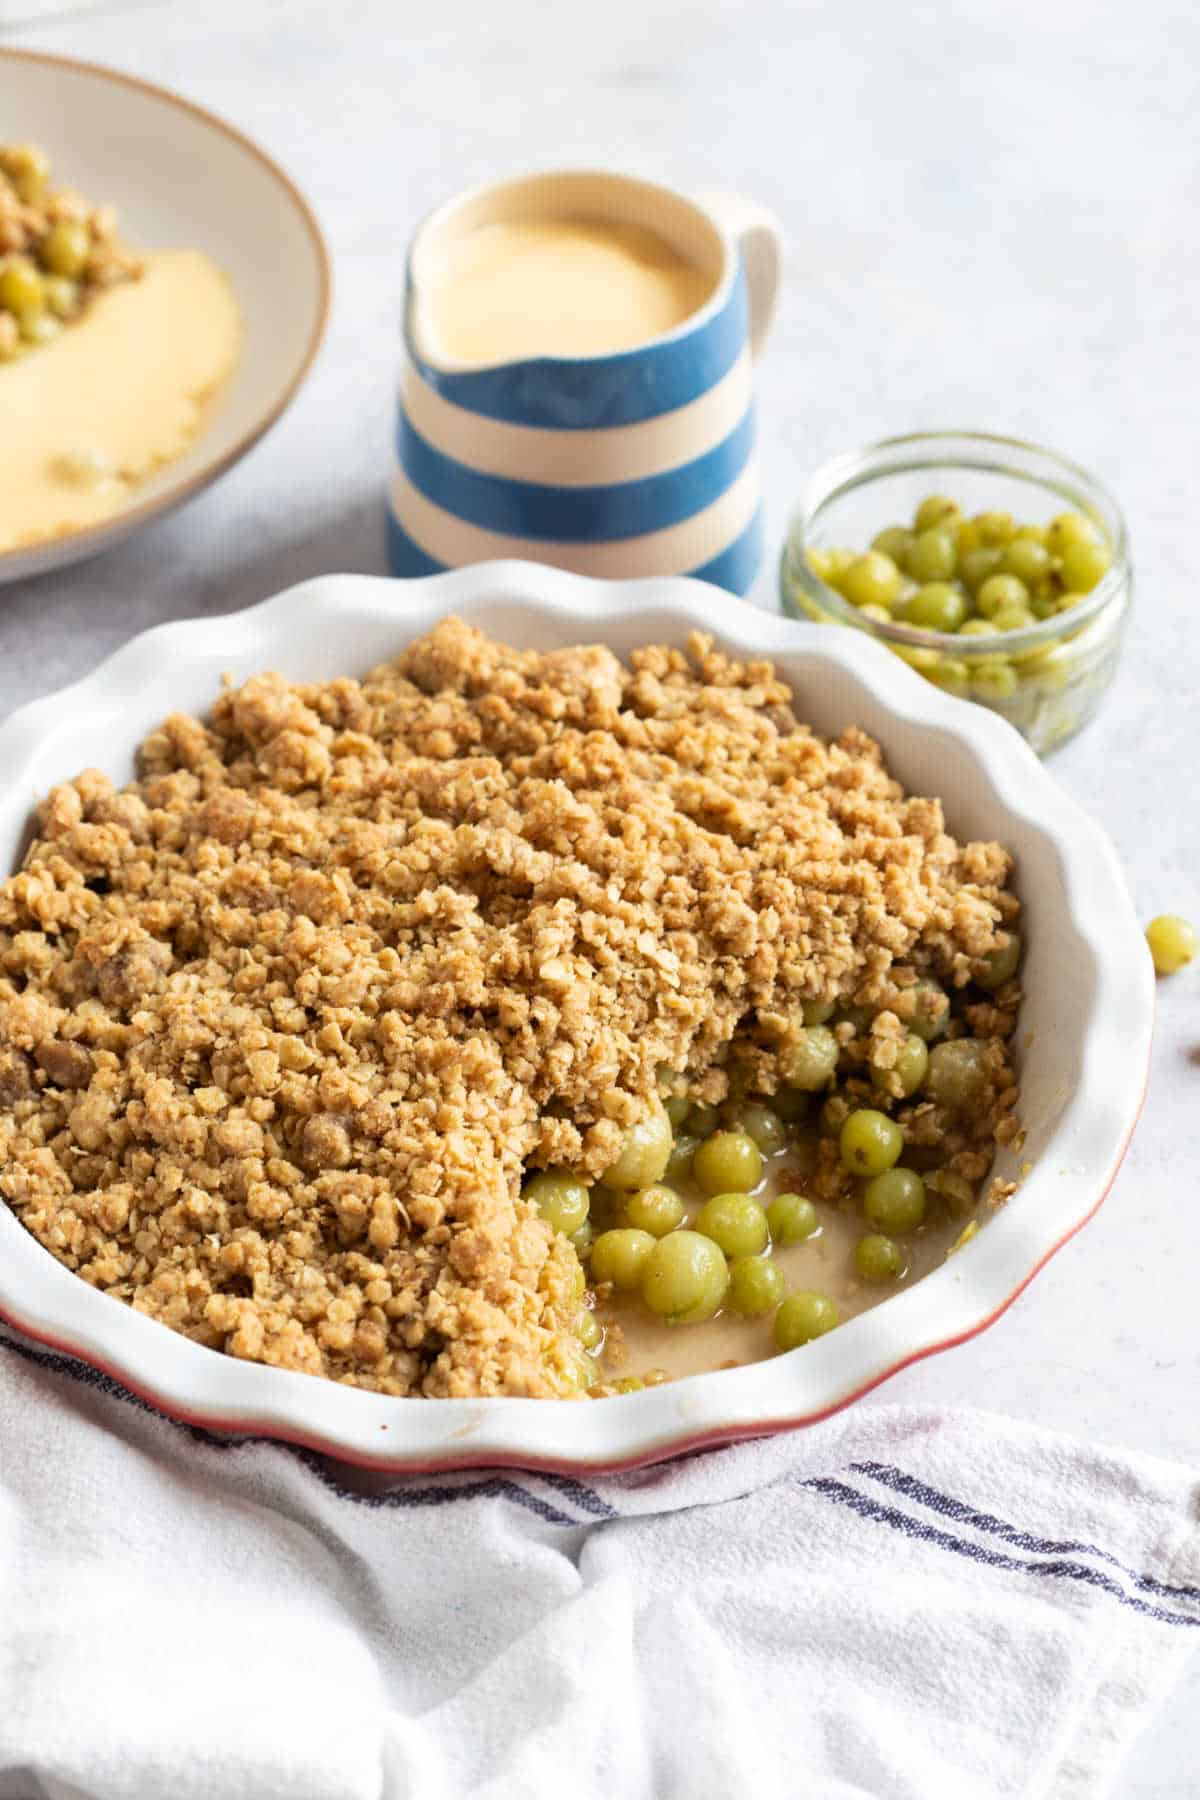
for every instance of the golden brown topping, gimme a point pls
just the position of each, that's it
(282, 1023)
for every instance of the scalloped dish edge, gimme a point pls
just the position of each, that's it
(338, 624)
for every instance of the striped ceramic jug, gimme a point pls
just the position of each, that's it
(639, 462)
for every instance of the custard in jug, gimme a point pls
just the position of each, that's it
(559, 287)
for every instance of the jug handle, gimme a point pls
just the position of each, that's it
(758, 237)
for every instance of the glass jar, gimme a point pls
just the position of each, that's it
(1048, 679)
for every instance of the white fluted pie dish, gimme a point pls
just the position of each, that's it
(1083, 1045)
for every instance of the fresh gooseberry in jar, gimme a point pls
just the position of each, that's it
(936, 607)
(933, 557)
(935, 510)
(871, 580)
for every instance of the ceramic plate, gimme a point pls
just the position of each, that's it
(1084, 1043)
(179, 176)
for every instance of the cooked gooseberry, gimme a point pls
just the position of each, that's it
(756, 1285)
(878, 1258)
(644, 1154)
(1000, 964)
(703, 1119)
(870, 1142)
(803, 1317)
(561, 1198)
(812, 1059)
(791, 1218)
(28, 168)
(621, 1256)
(65, 248)
(895, 1201)
(728, 1162)
(684, 1277)
(791, 1104)
(763, 1124)
(930, 1010)
(679, 1163)
(22, 287)
(62, 296)
(38, 327)
(588, 1328)
(735, 1222)
(953, 1188)
(957, 1074)
(908, 1068)
(657, 1210)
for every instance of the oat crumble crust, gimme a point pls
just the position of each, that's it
(283, 1020)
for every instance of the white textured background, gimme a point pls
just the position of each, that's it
(993, 219)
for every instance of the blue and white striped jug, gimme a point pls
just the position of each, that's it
(640, 462)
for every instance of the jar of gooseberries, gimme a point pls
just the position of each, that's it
(998, 570)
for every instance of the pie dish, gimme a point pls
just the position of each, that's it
(1085, 1025)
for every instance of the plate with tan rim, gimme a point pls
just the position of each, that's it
(1083, 1039)
(179, 177)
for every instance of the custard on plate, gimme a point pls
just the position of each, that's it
(110, 361)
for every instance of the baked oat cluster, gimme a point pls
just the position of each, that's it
(285, 1022)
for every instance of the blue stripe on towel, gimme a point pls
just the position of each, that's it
(592, 392)
(578, 515)
(949, 1508)
(1062, 1569)
(454, 1486)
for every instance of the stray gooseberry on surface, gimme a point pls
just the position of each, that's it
(1173, 943)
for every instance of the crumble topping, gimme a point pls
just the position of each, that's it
(284, 1021)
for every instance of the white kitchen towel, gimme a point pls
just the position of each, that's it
(894, 1605)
